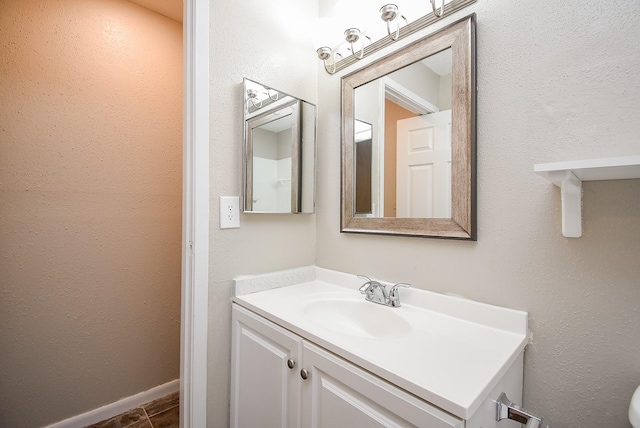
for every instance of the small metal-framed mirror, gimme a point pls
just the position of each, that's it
(279, 151)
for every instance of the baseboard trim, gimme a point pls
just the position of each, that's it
(118, 407)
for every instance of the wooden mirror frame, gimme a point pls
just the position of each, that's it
(460, 37)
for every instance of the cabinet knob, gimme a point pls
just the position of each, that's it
(290, 363)
(304, 374)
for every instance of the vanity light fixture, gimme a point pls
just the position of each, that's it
(255, 98)
(324, 53)
(388, 13)
(352, 35)
(252, 98)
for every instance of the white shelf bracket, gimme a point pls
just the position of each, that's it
(568, 176)
(571, 196)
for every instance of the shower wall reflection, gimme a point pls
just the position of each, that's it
(279, 151)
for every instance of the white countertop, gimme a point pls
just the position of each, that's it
(456, 352)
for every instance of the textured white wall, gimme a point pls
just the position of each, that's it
(556, 81)
(265, 42)
(90, 205)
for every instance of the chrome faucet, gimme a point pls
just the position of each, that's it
(376, 292)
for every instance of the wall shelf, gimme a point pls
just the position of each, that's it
(570, 175)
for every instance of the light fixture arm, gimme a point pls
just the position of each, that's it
(352, 35)
(435, 9)
(273, 97)
(397, 32)
(389, 13)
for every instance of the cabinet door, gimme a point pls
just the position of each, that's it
(338, 394)
(265, 392)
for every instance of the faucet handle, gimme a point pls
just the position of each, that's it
(373, 290)
(365, 287)
(394, 294)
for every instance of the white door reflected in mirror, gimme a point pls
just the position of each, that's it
(423, 171)
(408, 115)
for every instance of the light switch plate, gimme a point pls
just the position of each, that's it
(229, 212)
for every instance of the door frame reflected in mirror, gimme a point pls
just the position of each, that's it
(292, 109)
(460, 37)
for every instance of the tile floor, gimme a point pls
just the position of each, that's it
(161, 413)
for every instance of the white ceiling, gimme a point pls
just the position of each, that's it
(172, 9)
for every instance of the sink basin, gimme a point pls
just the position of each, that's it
(357, 318)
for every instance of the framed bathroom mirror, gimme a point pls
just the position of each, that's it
(279, 151)
(409, 139)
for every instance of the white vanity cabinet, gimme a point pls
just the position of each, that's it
(436, 361)
(265, 384)
(268, 389)
(340, 394)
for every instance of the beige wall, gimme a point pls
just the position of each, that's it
(90, 205)
(265, 42)
(558, 81)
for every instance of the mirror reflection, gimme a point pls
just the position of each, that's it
(279, 151)
(402, 136)
(363, 139)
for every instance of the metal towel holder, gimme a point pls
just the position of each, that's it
(506, 409)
